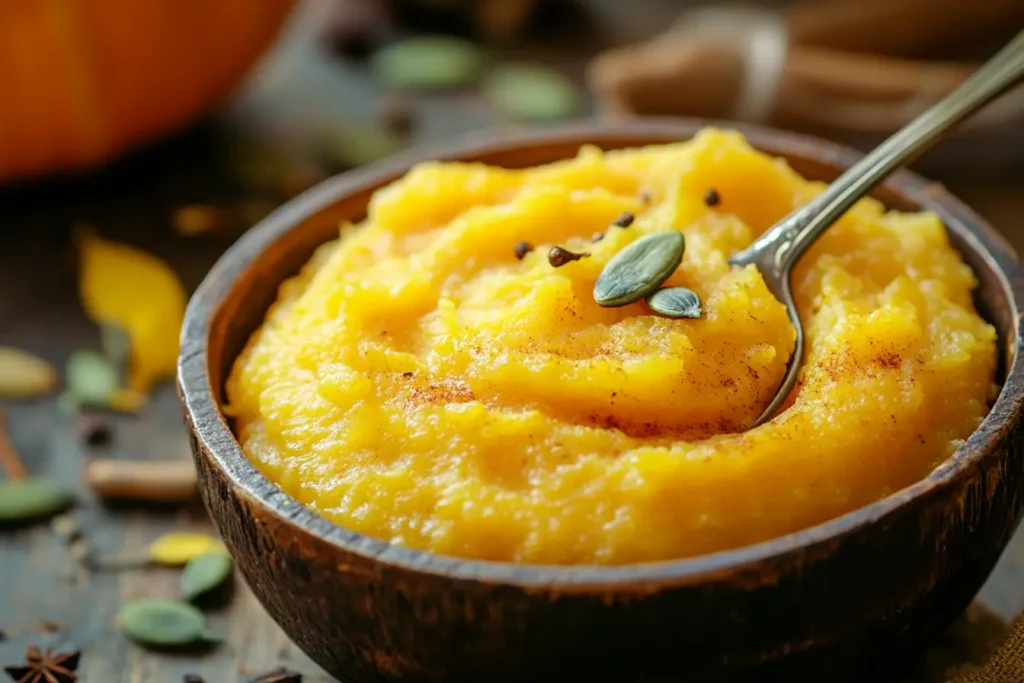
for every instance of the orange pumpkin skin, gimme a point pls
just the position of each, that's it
(83, 80)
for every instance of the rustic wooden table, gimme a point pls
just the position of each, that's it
(300, 89)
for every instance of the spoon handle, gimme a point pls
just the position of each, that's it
(778, 249)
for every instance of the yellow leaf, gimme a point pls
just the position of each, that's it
(177, 548)
(23, 375)
(124, 286)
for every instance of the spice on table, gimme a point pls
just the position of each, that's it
(161, 623)
(205, 574)
(51, 626)
(522, 249)
(279, 675)
(25, 500)
(45, 667)
(66, 526)
(164, 481)
(559, 256)
(397, 114)
(127, 287)
(624, 220)
(711, 197)
(24, 375)
(527, 92)
(429, 62)
(178, 548)
(639, 269)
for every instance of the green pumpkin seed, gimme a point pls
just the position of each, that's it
(639, 269)
(23, 500)
(163, 623)
(91, 378)
(204, 574)
(429, 63)
(675, 302)
(532, 93)
(352, 146)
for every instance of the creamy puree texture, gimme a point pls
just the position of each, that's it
(420, 384)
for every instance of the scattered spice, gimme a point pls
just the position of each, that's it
(66, 526)
(522, 249)
(559, 256)
(397, 114)
(165, 481)
(596, 237)
(711, 197)
(279, 675)
(51, 626)
(124, 286)
(162, 623)
(645, 197)
(24, 375)
(94, 430)
(45, 667)
(177, 548)
(205, 574)
(624, 220)
(10, 461)
(198, 219)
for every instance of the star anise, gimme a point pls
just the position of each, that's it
(45, 667)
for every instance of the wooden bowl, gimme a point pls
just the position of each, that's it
(882, 577)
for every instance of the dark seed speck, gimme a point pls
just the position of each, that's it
(625, 220)
(711, 197)
(559, 256)
(522, 249)
(597, 237)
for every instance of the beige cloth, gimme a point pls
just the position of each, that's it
(1005, 666)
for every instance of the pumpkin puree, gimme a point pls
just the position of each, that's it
(418, 383)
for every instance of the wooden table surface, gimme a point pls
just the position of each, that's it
(39, 311)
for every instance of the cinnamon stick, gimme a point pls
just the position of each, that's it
(159, 481)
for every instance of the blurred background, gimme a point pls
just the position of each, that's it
(150, 134)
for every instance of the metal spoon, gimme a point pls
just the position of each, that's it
(776, 252)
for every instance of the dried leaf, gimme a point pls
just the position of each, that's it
(204, 574)
(178, 548)
(24, 375)
(159, 622)
(126, 287)
(25, 500)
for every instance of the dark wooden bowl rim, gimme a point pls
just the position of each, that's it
(212, 430)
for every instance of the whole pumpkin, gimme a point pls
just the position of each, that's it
(83, 80)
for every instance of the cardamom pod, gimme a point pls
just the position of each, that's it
(23, 500)
(162, 623)
(204, 574)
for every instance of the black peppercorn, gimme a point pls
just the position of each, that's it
(559, 256)
(711, 197)
(522, 249)
(625, 220)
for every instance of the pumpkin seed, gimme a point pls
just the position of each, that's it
(91, 378)
(675, 302)
(24, 375)
(532, 93)
(352, 146)
(179, 548)
(28, 499)
(429, 63)
(204, 574)
(639, 269)
(155, 621)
